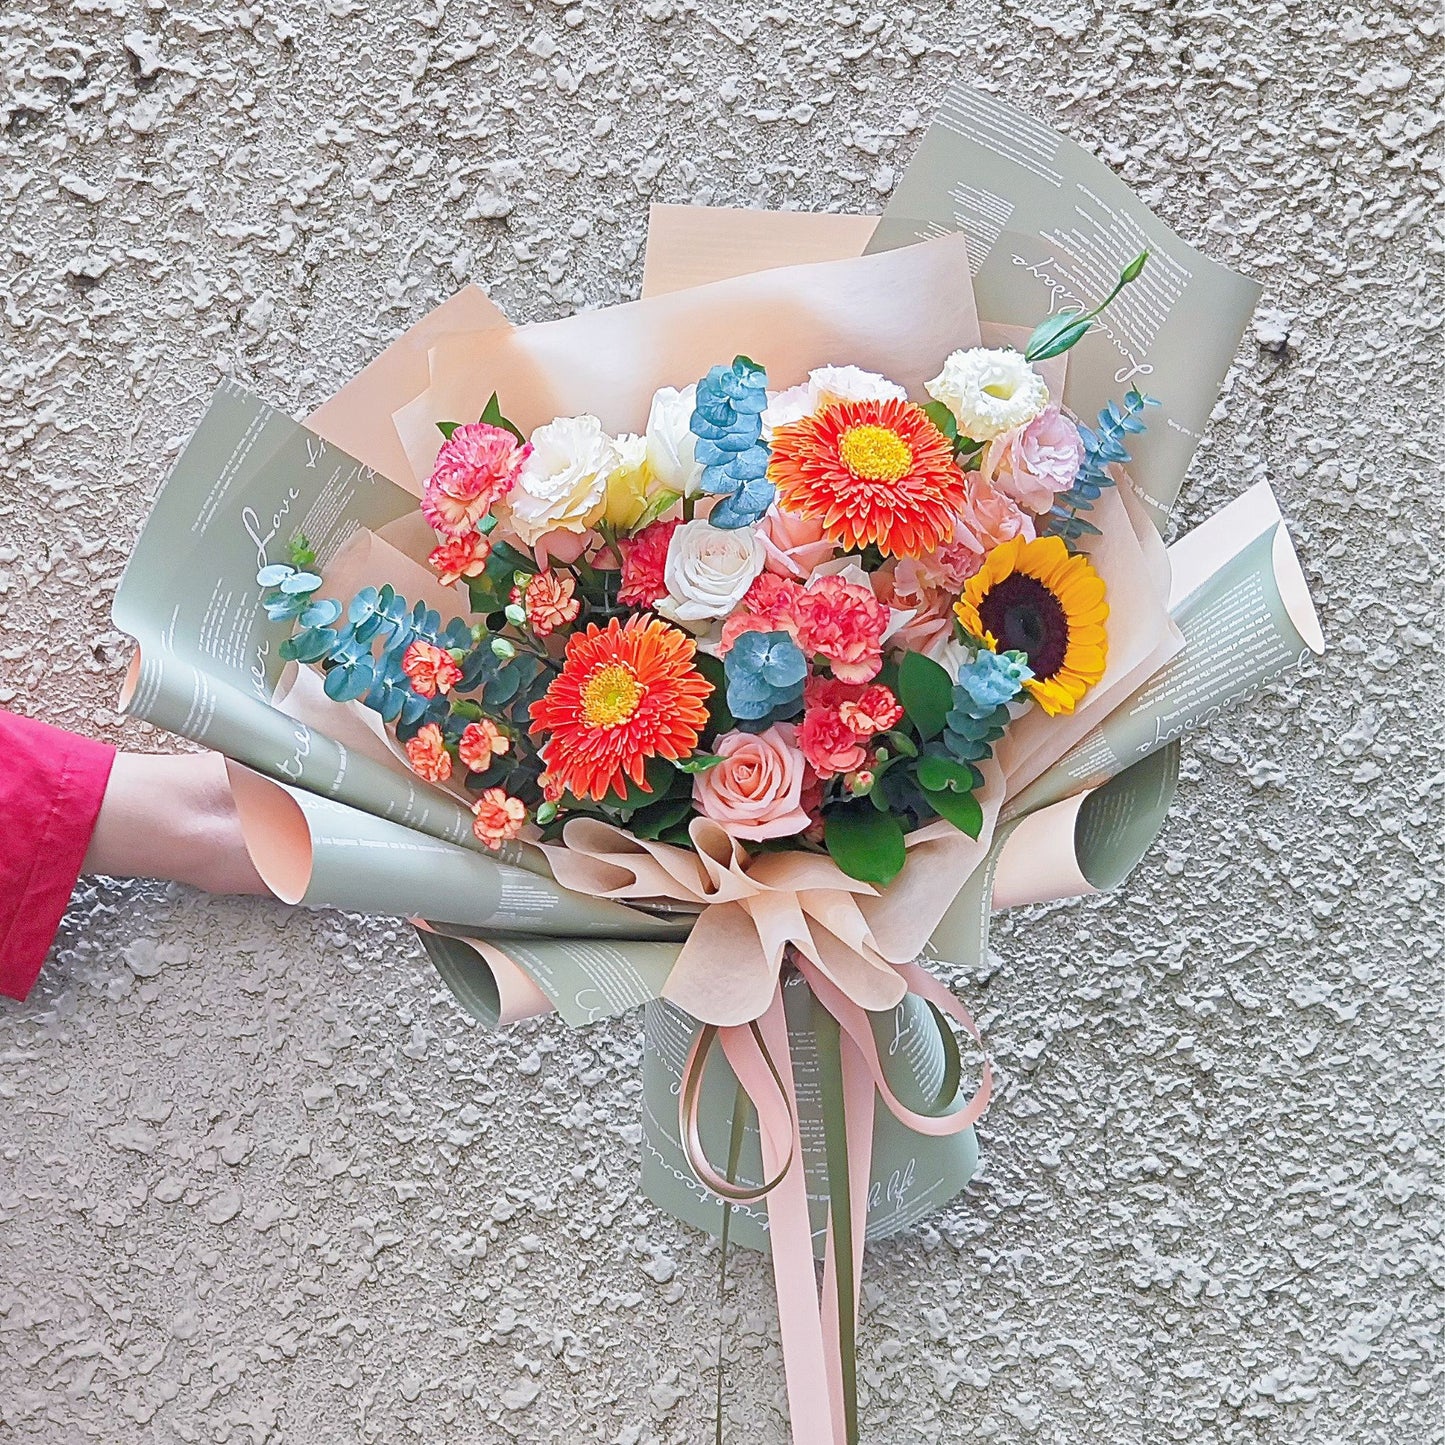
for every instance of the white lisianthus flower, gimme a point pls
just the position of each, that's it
(786, 407)
(989, 392)
(631, 486)
(671, 446)
(563, 483)
(708, 569)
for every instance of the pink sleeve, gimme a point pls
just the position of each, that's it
(51, 786)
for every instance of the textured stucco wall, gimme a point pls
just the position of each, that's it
(259, 1181)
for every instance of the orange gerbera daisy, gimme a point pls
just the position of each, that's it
(870, 472)
(1039, 599)
(625, 694)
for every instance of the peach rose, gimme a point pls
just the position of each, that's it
(989, 519)
(794, 545)
(756, 790)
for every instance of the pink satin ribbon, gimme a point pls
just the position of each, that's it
(761, 1059)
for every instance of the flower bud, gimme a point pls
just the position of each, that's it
(503, 649)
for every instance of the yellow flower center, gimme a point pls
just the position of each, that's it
(875, 453)
(610, 696)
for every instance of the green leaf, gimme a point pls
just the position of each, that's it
(654, 821)
(963, 810)
(1056, 334)
(936, 774)
(699, 763)
(866, 844)
(492, 415)
(301, 552)
(660, 775)
(446, 428)
(926, 691)
(942, 418)
(719, 715)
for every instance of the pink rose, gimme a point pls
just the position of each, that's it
(1032, 463)
(756, 791)
(989, 518)
(794, 546)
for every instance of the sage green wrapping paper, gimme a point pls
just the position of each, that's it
(1048, 227)
(207, 664)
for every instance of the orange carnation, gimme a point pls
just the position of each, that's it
(626, 693)
(459, 557)
(498, 817)
(551, 602)
(480, 742)
(429, 670)
(874, 472)
(427, 753)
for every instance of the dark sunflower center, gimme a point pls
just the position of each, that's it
(1024, 616)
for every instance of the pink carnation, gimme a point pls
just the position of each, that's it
(829, 744)
(475, 468)
(1032, 463)
(845, 622)
(838, 720)
(769, 605)
(644, 558)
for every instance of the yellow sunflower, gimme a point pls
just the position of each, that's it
(1039, 599)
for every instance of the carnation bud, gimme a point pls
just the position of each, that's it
(516, 614)
(546, 812)
(503, 649)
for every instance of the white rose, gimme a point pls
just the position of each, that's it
(708, 569)
(825, 386)
(671, 446)
(563, 482)
(989, 392)
(831, 384)
(786, 407)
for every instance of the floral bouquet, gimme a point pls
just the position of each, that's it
(738, 690)
(804, 616)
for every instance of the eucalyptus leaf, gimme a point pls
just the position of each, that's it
(274, 574)
(300, 582)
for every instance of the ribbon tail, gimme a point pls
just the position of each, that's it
(800, 1321)
(847, 1100)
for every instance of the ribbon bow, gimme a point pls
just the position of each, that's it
(856, 956)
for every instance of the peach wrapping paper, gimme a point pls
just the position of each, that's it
(899, 313)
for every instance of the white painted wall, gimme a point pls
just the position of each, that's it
(259, 1182)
